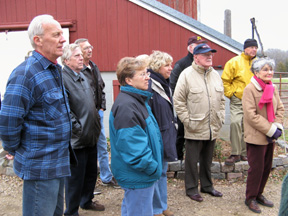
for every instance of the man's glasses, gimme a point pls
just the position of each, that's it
(88, 47)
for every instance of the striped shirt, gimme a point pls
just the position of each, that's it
(35, 125)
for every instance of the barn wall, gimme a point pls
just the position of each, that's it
(116, 28)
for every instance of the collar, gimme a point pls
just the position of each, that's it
(201, 69)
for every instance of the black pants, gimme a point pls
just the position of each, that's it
(79, 187)
(202, 151)
(180, 141)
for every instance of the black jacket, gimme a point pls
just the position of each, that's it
(179, 66)
(97, 84)
(85, 119)
(161, 104)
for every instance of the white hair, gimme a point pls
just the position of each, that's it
(36, 26)
(258, 64)
(67, 52)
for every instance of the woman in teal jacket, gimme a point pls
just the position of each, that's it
(136, 143)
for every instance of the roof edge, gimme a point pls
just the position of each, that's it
(190, 24)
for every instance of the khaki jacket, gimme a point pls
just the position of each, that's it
(199, 102)
(237, 75)
(256, 124)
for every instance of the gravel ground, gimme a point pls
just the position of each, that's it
(232, 202)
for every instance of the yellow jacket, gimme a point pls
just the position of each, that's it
(237, 75)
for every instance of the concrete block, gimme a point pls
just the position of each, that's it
(170, 174)
(227, 169)
(277, 162)
(241, 166)
(10, 171)
(218, 175)
(215, 167)
(284, 159)
(174, 166)
(231, 176)
(180, 175)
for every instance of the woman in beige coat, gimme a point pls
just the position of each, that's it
(263, 119)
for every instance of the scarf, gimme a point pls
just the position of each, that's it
(267, 98)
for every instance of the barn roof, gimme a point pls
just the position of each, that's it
(191, 24)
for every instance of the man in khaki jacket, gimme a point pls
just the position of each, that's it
(200, 104)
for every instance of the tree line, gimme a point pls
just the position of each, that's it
(280, 57)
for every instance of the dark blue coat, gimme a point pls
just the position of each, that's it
(161, 104)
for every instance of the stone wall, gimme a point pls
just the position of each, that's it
(221, 171)
(177, 169)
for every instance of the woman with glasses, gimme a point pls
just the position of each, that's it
(161, 103)
(136, 144)
(263, 119)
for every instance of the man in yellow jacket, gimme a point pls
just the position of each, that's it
(236, 76)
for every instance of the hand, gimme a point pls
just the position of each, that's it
(9, 156)
(269, 139)
(277, 134)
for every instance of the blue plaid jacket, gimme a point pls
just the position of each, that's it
(35, 125)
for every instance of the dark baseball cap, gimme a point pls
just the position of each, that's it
(195, 39)
(203, 48)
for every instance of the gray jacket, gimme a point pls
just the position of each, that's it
(84, 115)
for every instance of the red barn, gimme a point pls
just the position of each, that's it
(118, 28)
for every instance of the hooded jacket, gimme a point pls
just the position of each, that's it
(256, 124)
(136, 144)
(161, 104)
(199, 102)
(237, 75)
(86, 126)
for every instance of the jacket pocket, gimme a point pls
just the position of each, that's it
(219, 89)
(53, 105)
(195, 95)
(195, 122)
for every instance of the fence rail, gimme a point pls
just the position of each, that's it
(282, 86)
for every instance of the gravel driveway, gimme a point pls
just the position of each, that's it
(232, 202)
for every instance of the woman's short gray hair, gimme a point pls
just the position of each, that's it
(67, 52)
(36, 26)
(258, 64)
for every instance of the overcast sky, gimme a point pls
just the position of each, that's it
(271, 19)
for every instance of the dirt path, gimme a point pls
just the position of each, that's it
(232, 203)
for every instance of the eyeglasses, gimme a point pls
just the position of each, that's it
(88, 47)
(144, 74)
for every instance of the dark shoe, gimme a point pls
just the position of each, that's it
(253, 206)
(244, 158)
(263, 201)
(95, 206)
(213, 193)
(113, 183)
(232, 160)
(196, 197)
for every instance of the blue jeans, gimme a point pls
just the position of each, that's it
(137, 202)
(43, 197)
(103, 155)
(160, 192)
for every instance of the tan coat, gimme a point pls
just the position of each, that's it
(199, 102)
(256, 124)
